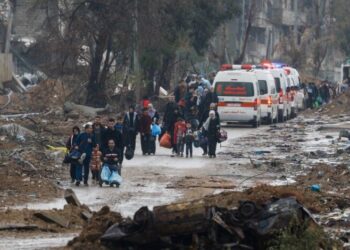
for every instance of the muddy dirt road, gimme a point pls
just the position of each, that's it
(151, 180)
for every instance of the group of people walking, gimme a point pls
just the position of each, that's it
(190, 120)
(317, 95)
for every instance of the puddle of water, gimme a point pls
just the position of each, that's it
(38, 242)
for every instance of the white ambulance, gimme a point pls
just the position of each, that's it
(268, 95)
(284, 107)
(293, 84)
(237, 88)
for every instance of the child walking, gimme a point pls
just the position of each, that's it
(179, 136)
(189, 138)
(95, 164)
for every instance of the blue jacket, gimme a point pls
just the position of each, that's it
(86, 143)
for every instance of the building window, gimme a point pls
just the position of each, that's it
(258, 35)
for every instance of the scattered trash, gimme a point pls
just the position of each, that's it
(315, 188)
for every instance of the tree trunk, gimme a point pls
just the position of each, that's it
(240, 59)
(96, 96)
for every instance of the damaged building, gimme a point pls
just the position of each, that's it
(279, 29)
(22, 23)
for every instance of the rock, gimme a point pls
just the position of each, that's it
(71, 198)
(15, 130)
(86, 215)
(85, 110)
(329, 137)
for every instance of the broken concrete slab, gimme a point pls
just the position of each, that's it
(86, 215)
(71, 198)
(53, 218)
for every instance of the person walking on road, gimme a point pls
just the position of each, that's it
(212, 127)
(152, 112)
(179, 136)
(131, 126)
(111, 133)
(145, 131)
(70, 145)
(95, 164)
(98, 130)
(86, 142)
(189, 138)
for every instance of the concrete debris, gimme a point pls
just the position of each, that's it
(13, 130)
(182, 225)
(71, 198)
(84, 110)
(54, 218)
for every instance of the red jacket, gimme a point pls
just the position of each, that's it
(179, 127)
(145, 124)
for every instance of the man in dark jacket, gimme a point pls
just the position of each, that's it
(86, 142)
(111, 133)
(145, 131)
(131, 126)
(71, 143)
(98, 130)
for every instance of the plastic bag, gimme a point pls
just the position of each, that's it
(165, 141)
(110, 177)
(156, 130)
(105, 173)
(129, 153)
(115, 178)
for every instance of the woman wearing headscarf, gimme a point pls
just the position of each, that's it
(212, 128)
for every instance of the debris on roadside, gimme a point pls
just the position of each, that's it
(199, 225)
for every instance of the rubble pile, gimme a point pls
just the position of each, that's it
(69, 219)
(44, 97)
(100, 221)
(340, 105)
(203, 225)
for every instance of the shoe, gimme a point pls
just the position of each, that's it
(186, 156)
(85, 183)
(191, 156)
(111, 185)
(210, 156)
(77, 183)
(72, 181)
(204, 154)
(182, 155)
(214, 156)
